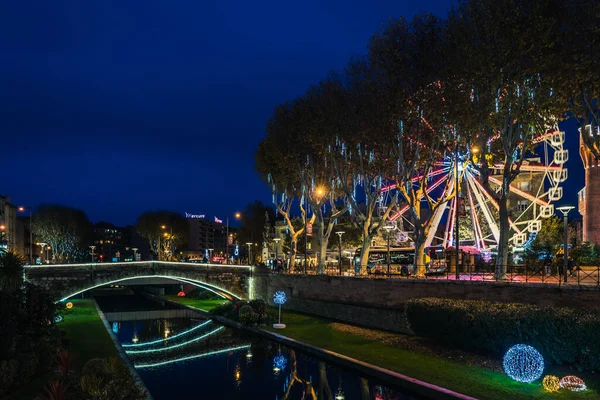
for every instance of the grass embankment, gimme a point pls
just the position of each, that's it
(471, 380)
(84, 336)
(84, 333)
(206, 305)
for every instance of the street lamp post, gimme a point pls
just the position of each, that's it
(276, 240)
(21, 209)
(92, 252)
(43, 246)
(210, 251)
(249, 253)
(237, 215)
(135, 249)
(565, 211)
(340, 233)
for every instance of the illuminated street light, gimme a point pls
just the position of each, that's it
(41, 244)
(565, 211)
(22, 209)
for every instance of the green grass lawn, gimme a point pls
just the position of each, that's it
(85, 337)
(471, 380)
(85, 334)
(205, 305)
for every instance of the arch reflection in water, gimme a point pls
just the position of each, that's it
(176, 360)
(176, 345)
(170, 338)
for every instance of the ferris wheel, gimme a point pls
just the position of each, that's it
(531, 199)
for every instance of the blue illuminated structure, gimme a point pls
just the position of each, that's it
(279, 298)
(279, 362)
(58, 319)
(523, 363)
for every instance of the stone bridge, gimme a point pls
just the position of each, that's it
(66, 280)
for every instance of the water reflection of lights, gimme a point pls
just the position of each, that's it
(175, 346)
(279, 363)
(171, 338)
(211, 353)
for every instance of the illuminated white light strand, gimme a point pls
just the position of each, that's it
(176, 345)
(170, 338)
(175, 278)
(212, 353)
(129, 263)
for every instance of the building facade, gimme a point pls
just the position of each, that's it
(8, 225)
(589, 196)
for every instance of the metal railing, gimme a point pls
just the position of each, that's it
(522, 274)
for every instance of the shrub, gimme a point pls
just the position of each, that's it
(562, 335)
(223, 309)
(247, 316)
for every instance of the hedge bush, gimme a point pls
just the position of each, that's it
(562, 335)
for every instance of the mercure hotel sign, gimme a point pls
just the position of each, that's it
(194, 216)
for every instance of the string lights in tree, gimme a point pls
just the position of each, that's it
(551, 383)
(523, 363)
(572, 383)
(279, 298)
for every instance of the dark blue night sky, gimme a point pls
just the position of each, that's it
(118, 107)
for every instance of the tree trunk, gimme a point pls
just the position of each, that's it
(324, 388)
(364, 254)
(502, 258)
(322, 244)
(293, 251)
(419, 252)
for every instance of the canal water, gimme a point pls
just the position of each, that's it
(181, 355)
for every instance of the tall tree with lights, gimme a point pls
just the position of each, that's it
(412, 60)
(511, 70)
(279, 162)
(361, 152)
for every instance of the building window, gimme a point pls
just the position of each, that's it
(522, 205)
(525, 186)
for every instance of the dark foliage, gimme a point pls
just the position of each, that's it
(562, 335)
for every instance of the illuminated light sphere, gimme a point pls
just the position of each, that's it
(572, 383)
(181, 294)
(279, 362)
(69, 305)
(551, 383)
(279, 297)
(523, 363)
(58, 319)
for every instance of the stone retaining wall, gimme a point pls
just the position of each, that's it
(379, 303)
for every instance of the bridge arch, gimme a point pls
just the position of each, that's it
(210, 287)
(229, 281)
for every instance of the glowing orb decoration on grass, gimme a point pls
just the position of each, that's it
(572, 383)
(551, 383)
(181, 294)
(523, 363)
(279, 363)
(69, 305)
(58, 319)
(279, 298)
